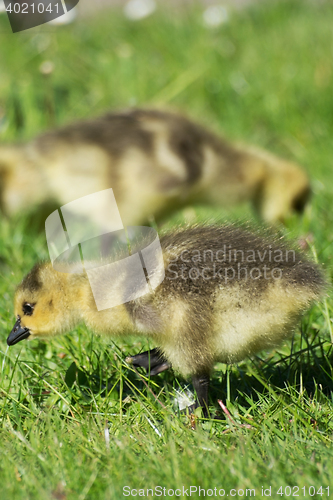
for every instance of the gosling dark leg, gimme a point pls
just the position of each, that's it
(201, 387)
(153, 361)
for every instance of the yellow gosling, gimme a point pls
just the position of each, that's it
(227, 294)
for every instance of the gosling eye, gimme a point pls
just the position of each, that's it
(28, 309)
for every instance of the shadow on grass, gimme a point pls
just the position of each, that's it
(307, 372)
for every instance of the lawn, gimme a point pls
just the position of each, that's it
(76, 421)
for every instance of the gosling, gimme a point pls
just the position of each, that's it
(228, 293)
(155, 162)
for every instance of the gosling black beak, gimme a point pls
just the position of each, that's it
(18, 333)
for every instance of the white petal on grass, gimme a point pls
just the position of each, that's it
(139, 9)
(46, 68)
(184, 399)
(215, 15)
(67, 18)
(107, 436)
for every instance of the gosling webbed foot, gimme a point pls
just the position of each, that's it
(152, 361)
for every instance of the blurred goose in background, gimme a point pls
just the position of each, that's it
(155, 161)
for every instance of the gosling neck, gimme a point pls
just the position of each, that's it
(115, 320)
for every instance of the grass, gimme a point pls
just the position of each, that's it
(76, 422)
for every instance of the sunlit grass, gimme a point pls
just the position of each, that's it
(76, 421)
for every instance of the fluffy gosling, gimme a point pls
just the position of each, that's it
(227, 294)
(155, 161)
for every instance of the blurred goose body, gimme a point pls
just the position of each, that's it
(155, 161)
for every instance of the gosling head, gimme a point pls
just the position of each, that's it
(286, 191)
(42, 305)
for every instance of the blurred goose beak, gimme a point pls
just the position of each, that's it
(18, 333)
